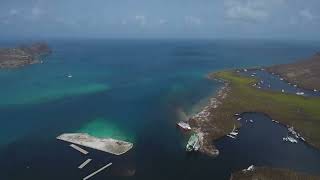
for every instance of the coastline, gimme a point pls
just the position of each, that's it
(217, 119)
(203, 124)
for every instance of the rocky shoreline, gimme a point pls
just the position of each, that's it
(23, 55)
(202, 123)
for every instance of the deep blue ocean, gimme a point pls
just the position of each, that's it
(136, 90)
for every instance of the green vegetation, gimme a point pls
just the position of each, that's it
(300, 112)
(263, 173)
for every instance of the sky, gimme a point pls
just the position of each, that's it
(271, 19)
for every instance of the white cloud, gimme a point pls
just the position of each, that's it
(13, 12)
(163, 21)
(250, 10)
(36, 11)
(141, 20)
(307, 14)
(192, 20)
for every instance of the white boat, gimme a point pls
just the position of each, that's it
(300, 93)
(231, 136)
(69, 76)
(184, 125)
(251, 120)
(239, 119)
(282, 90)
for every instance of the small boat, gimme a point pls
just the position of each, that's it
(282, 90)
(236, 114)
(239, 119)
(251, 120)
(184, 125)
(315, 90)
(230, 136)
(300, 93)
(69, 76)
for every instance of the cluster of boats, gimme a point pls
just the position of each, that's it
(234, 133)
(295, 136)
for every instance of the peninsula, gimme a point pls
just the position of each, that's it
(239, 95)
(23, 55)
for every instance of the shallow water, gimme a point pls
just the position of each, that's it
(147, 82)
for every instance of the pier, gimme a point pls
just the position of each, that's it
(97, 171)
(79, 149)
(85, 163)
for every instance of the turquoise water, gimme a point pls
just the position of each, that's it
(134, 90)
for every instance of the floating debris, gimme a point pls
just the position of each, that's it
(85, 163)
(109, 145)
(184, 125)
(96, 172)
(79, 149)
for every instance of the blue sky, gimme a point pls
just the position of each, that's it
(287, 19)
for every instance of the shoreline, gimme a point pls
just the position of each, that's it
(199, 122)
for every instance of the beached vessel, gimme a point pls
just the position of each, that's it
(183, 125)
(109, 145)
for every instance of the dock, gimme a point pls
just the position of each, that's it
(79, 149)
(85, 163)
(97, 171)
(109, 145)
